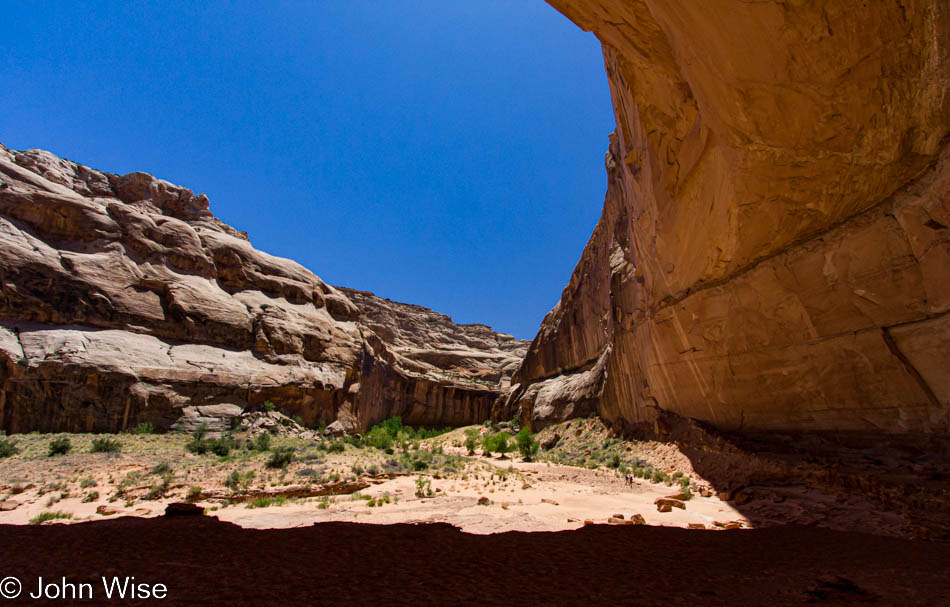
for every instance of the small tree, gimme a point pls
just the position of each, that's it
(527, 446)
(497, 443)
(471, 439)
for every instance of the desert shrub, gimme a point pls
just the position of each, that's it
(105, 445)
(239, 480)
(265, 502)
(7, 447)
(281, 457)
(161, 468)
(269, 406)
(90, 497)
(143, 428)
(380, 438)
(60, 446)
(527, 445)
(354, 440)
(43, 517)
(194, 492)
(218, 446)
(221, 446)
(261, 443)
(423, 487)
(324, 503)
(335, 447)
(158, 491)
(88, 482)
(497, 443)
(471, 439)
(614, 461)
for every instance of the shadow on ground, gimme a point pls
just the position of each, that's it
(207, 562)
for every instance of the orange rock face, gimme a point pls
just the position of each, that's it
(774, 250)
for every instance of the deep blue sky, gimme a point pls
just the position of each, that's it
(447, 153)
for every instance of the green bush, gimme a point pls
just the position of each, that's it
(161, 468)
(143, 428)
(392, 431)
(49, 516)
(60, 446)
(497, 443)
(471, 439)
(335, 447)
(423, 487)
(105, 445)
(526, 443)
(264, 502)
(281, 457)
(7, 447)
(269, 406)
(615, 461)
(239, 480)
(261, 443)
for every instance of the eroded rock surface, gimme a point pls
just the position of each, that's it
(124, 300)
(774, 246)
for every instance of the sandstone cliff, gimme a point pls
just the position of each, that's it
(774, 249)
(123, 300)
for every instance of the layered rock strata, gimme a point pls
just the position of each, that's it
(124, 300)
(773, 250)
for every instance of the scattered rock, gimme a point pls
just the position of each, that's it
(664, 508)
(183, 509)
(7, 505)
(681, 496)
(672, 503)
(106, 510)
(545, 500)
(620, 516)
(637, 519)
(588, 522)
(695, 526)
(551, 442)
(778, 499)
(613, 520)
(525, 487)
(741, 497)
(483, 501)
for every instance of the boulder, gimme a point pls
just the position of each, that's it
(671, 502)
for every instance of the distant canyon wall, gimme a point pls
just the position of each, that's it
(774, 249)
(124, 300)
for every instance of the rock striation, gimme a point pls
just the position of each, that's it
(774, 248)
(124, 300)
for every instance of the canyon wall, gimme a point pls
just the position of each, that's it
(774, 249)
(124, 300)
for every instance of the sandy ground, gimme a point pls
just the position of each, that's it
(523, 502)
(521, 496)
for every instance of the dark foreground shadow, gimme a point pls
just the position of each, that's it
(206, 562)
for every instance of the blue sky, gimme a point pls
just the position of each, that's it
(443, 153)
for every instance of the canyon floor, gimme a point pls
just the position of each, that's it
(433, 480)
(579, 478)
(431, 524)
